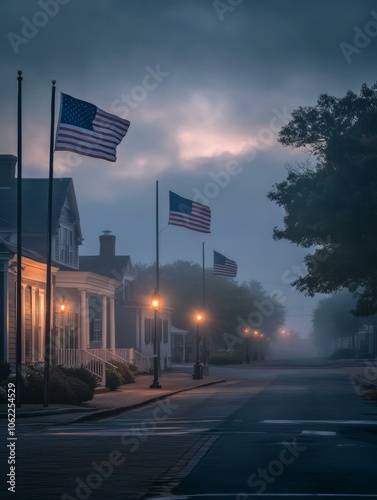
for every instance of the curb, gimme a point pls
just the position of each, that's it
(115, 411)
(107, 412)
(45, 413)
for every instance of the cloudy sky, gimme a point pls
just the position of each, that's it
(206, 85)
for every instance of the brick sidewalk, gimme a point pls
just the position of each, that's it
(106, 403)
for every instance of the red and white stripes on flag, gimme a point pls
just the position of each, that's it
(190, 214)
(224, 266)
(87, 130)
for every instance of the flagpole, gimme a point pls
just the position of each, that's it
(157, 244)
(156, 304)
(49, 251)
(205, 369)
(19, 246)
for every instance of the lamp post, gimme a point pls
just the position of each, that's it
(155, 306)
(261, 354)
(198, 373)
(255, 355)
(246, 332)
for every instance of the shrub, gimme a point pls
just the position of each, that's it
(132, 367)
(113, 379)
(5, 370)
(226, 358)
(63, 388)
(83, 374)
(32, 385)
(125, 371)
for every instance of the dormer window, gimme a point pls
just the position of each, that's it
(66, 245)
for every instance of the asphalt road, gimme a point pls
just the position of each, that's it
(289, 431)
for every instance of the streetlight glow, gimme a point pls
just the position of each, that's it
(155, 303)
(62, 305)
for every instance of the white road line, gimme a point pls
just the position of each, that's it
(219, 496)
(318, 433)
(341, 422)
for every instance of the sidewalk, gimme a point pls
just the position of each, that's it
(129, 396)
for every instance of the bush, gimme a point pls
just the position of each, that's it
(4, 371)
(32, 385)
(83, 374)
(113, 379)
(125, 371)
(132, 367)
(226, 358)
(68, 389)
(63, 388)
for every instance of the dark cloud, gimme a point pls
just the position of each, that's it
(228, 82)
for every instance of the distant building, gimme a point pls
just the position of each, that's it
(134, 319)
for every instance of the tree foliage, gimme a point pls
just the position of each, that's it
(331, 207)
(227, 302)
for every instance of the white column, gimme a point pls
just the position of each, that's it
(23, 287)
(42, 320)
(104, 321)
(33, 326)
(84, 316)
(112, 324)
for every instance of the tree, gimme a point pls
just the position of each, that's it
(332, 319)
(331, 207)
(226, 300)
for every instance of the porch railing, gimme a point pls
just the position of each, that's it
(124, 355)
(80, 357)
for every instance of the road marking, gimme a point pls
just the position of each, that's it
(342, 422)
(318, 433)
(234, 496)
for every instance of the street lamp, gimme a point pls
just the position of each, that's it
(246, 332)
(155, 302)
(62, 305)
(198, 373)
(256, 353)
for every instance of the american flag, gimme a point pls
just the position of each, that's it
(224, 266)
(87, 130)
(190, 214)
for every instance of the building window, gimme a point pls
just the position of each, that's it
(148, 330)
(97, 330)
(65, 244)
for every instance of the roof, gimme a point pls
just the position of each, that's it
(11, 248)
(113, 267)
(34, 205)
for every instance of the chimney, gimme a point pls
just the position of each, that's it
(107, 245)
(7, 170)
